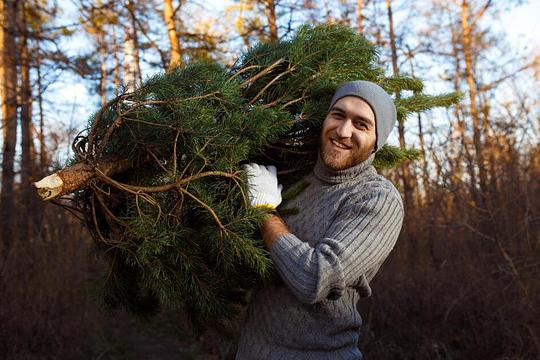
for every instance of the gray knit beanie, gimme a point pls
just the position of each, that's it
(380, 102)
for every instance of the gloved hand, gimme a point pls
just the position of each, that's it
(264, 190)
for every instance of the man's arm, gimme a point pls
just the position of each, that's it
(272, 228)
(361, 237)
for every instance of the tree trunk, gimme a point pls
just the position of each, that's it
(9, 116)
(359, 20)
(103, 69)
(425, 171)
(116, 70)
(240, 23)
(43, 161)
(132, 69)
(460, 121)
(129, 69)
(168, 16)
(270, 11)
(477, 141)
(27, 165)
(2, 125)
(76, 177)
(405, 171)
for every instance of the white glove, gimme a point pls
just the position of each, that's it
(263, 187)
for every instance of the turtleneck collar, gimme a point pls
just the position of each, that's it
(324, 173)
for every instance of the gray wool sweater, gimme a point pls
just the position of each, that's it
(348, 223)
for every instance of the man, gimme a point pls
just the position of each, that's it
(349, 220)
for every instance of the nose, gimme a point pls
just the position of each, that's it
(344, 130)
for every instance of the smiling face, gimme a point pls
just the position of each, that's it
(348, 133)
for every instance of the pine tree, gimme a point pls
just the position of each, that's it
(157, 173)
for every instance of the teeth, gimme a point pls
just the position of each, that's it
(339, 145)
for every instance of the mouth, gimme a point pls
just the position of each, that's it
(340, 145)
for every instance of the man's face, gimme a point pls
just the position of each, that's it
(348, 133)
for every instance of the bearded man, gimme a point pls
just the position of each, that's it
(349, 220)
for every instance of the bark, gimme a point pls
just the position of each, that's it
(129, 76)
(27, 165)
(2, 125)
(9, 112)
(460, 122)
(359, 20)
(168, 16)
(270, 11)
(43, 161)
(405, 171)
(240, 24)
(116, 63)
(469, 75)
(132, 68)
(103, 69)
(425, 171)
(76, 177)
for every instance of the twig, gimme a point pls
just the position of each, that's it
(252, 101)
(262, 73)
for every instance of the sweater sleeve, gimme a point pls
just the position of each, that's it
(361, 236)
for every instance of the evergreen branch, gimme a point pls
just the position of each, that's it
(174, 160)
(169, 102)
(103, 143)
(208, 208)
(289, 70)
(397, 83)
(156, 159)
(262, 73)
(287, 103)
(162, 188)
(168, 126)
(97, 121)
(420, 102)
(243, 70)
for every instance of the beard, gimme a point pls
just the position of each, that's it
(337, 159)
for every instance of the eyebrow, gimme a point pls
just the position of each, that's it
(363, 118)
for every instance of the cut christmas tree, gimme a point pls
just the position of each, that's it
(157, 175)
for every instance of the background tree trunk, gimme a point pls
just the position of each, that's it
(169, 17)
(27, 157)
(469, 76)
(405, 171)
(359, 20)
(270, 11)
(9, 117)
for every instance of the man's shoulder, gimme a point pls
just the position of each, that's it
(376, 185)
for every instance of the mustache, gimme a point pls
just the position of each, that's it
(346, 143)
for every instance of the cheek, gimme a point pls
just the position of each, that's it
(329, 125)
(365, 139)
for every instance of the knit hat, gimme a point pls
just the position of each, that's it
(380, 102)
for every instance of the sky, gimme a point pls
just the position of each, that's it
(71, 103)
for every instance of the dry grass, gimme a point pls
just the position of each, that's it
(462, 283)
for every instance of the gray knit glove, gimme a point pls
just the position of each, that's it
(263, 187)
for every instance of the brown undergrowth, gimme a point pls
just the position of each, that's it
(462, 283)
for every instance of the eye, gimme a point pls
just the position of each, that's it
(360, 125)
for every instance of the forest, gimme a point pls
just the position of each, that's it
(463, 281)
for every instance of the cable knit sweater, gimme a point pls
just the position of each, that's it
(348, 223)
